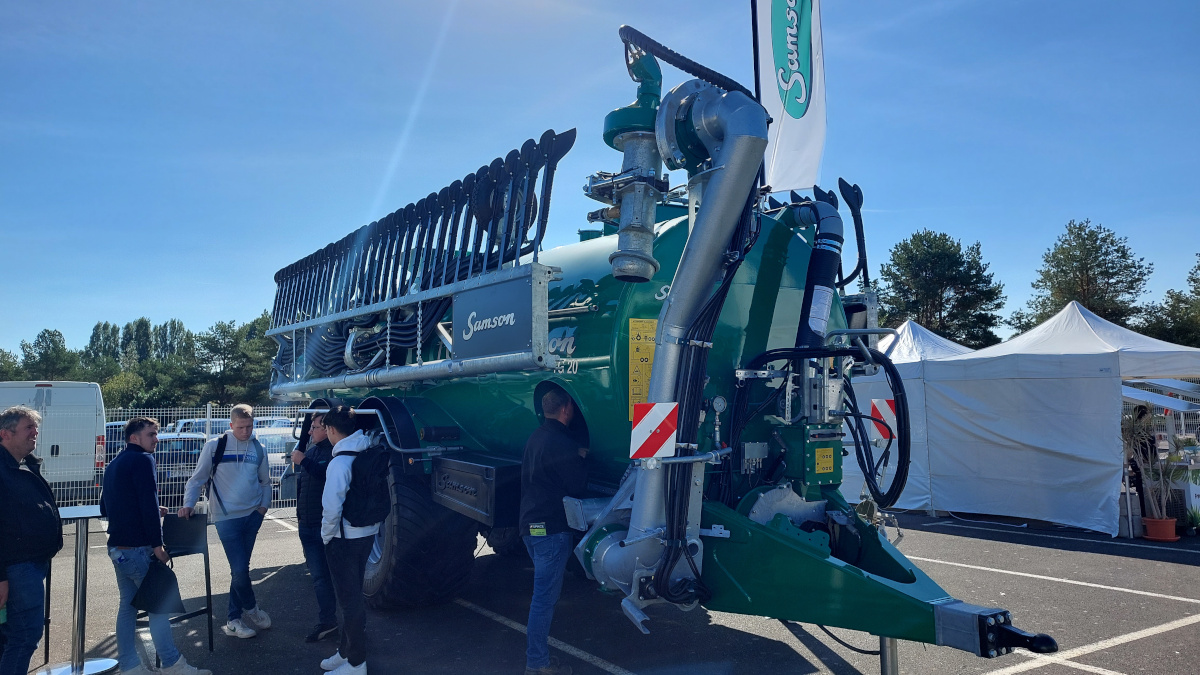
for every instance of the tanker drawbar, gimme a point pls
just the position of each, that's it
(707, 305)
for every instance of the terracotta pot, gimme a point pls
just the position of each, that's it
(1160, 529)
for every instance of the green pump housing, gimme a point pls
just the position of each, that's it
(404, 319)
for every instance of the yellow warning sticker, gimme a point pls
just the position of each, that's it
(641, 359)
(824, 460)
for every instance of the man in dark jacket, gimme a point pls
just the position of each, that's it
(311, 464)
(553, 468)
(130, 502)
(30, 535)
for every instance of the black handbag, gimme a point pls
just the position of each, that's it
(159, 591)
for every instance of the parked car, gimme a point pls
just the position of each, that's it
(267, 422)
(176, 457)
(215, 426)
(279, 443)
(114, 439)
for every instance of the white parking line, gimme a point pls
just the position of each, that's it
(1058, 579)
(1057, 536)
(1070, 664)
(1040, 662)
(557, 644)
(282, 522)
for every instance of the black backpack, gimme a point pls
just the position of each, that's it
(368, 499)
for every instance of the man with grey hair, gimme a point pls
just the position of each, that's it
(234, 466)
(31, 534)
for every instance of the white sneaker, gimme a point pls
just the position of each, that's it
(236, 628)
(334, 662)
(347, 669)
(140, 669)
(182, 667)
(257, 618)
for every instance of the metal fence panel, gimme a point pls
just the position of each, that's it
(75, 451)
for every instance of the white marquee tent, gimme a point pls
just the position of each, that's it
(914, 346)
(1032, 427)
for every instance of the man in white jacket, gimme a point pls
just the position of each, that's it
(240, 495)
(346, 546)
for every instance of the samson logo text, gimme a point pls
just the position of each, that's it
(487, 323)
(791, 46)
(445, 483)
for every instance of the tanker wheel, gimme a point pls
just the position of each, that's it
(507, 542)
(423, 553)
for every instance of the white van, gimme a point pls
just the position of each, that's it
(71, 438)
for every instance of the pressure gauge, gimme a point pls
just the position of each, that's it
(719, 404)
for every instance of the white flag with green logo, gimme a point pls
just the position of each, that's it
(792, 85)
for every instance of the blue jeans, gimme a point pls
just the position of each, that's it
(237, 538)
(318, 567)
(549, 555)
(26, 614)
(131, 565)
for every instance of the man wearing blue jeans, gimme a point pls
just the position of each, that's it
(553, 467)
(30, 535)
(239, 494)
(130, 502)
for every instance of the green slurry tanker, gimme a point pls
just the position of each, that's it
(705, 338)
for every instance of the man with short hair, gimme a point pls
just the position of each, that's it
(130, 502)
(553, 467)
(234, 466)
(346, 546)
(311, 464)
(30, 535)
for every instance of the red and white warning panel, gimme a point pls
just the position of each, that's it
(655, 427)
(884, 409)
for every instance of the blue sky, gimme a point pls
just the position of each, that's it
(165, 159)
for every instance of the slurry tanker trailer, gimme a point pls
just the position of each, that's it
(703, 332)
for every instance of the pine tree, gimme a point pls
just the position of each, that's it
(933, 280)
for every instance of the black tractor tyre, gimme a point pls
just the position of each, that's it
(507, 542)
(423, 553)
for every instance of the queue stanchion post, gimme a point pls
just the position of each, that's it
(79, 665)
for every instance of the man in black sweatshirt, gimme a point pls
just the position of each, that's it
(30, 535)
(311, 462)
(553, 468)
(130, 502)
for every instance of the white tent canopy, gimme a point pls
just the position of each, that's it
(1031, 427)
(914, 345)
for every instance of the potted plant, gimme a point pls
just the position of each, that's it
(1158, 471)
(1193, 521)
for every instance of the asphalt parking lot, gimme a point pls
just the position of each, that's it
(1115, 606)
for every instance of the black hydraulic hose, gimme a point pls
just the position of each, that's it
(852, 195)
(639, 39)
(865, 456)
(902, 433)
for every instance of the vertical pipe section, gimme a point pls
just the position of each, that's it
(633, 261)
(889, 656)
(734, 129)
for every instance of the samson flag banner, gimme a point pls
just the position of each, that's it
(792, 86)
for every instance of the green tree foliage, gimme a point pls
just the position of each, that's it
(933, 280)
(136, 336)
(105, 342)
(1092, 265)
(237, 360)
(172, 339)
(157, 366)
(47, 357)
(123, 390)
(10, 367)
(1177, 318)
